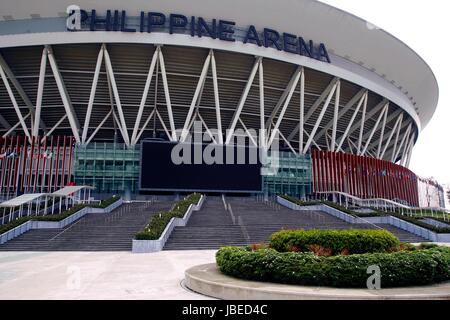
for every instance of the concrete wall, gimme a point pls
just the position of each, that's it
(29, 225)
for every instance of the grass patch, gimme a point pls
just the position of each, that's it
(159, 221)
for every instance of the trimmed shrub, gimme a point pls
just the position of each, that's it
(352, 241)
(105, 203)
(400, 269)
(159, 221)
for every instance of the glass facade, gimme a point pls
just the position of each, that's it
(293, 177)
(109, 167)
(114, 168)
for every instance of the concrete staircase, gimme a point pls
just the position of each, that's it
(209, 228)
(94, 232)
(251, 222)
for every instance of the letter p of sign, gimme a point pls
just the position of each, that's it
(374, 281)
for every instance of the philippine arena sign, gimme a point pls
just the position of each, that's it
(115, 20)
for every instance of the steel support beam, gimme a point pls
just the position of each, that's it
(73, 120)
(42, 70)
(342, 112)
(54, 127)
(291, 89)
(383, 126)
(302, 112)
(162, 66)
(335, 115)
(145, 125)
(262, 117)
(375, 128)
(314, 107)
(14, 103)
(319, 119)
(99, 126)
(198, 89)
(19, 89)
(394, 129)
(144, 97)
(282, 98)
(14, 127)
(238, 111)
(216, 97)
(92, 95)
(355, 113)
(112, 79)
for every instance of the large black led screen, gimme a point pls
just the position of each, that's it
(159, 171)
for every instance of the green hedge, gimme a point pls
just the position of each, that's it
(400, 269)
(56, 217)
(352, 241)
(333, 205)
(105, 203)
(413, 220)
(160, 220)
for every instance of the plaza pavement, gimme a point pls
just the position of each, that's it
(98, 275)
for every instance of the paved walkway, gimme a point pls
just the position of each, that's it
(98, 275)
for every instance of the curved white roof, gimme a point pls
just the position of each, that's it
(344, 34)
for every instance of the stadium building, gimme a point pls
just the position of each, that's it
(99, 92)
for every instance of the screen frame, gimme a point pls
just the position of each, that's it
(261, 191)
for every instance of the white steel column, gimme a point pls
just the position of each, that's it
(383, 126)
(164, 125)
(335, 115)
(262, 117)
(374, 129)
(319, 119)
(248, 132)
(314, 107)
(99, 126)
(198, 89)
(206, 127)
(342, 112)
(355, 113)
(396, 139)
(216, 97)
(19, 89)
(286, 104)
(14, 127)
(144, 97)
(394, 129)
(409, 154)
(37, 115)
(73, 121)
(361, 129)
(167, 95)
(408, 130)
(238, 111)
(145, 125)
(54, 127)
(112, 79)
(302, 112)
(92, 95)
(14, 102)
(280, 101)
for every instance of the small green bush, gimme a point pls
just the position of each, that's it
(353, 241)
(400, 269)
(159, 221)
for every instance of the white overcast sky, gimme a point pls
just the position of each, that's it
(424, 26)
